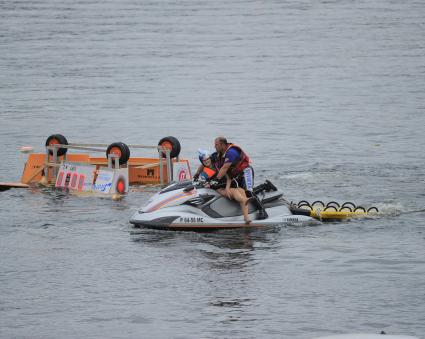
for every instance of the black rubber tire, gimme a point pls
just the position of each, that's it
(318, 202)
(333, 203)
(304, 206)
(124, 150)
(173, 143)
(304, 202)
(60, 139)
(359, 208)
(373, 208)
(329, 207)
(348, 203)
(346, 207)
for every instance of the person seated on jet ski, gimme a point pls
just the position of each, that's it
(208, 172)
(234, 162)
(206, 169)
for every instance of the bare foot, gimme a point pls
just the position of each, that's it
(248, 221)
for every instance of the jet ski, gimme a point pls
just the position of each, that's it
(190, 206)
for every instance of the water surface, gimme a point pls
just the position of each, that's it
(326, 97)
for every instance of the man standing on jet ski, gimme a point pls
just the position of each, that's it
(234, 162)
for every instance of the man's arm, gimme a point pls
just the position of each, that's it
(223, 170)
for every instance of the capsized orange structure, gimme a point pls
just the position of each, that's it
(141, 170)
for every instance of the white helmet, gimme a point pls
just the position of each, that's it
(203, 154)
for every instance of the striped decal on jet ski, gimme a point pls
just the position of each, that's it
(170, 199)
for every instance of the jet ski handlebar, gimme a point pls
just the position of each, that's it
(197, 184)
(214, 184)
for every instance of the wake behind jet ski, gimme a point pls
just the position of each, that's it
(189, 205)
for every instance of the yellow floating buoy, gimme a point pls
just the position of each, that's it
(319, 214)
(116, 197)
(332, 211)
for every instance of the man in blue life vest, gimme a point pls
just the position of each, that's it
(234, 163)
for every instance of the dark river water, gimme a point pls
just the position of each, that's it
(328, 99)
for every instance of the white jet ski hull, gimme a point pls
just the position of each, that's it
(205, 210)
